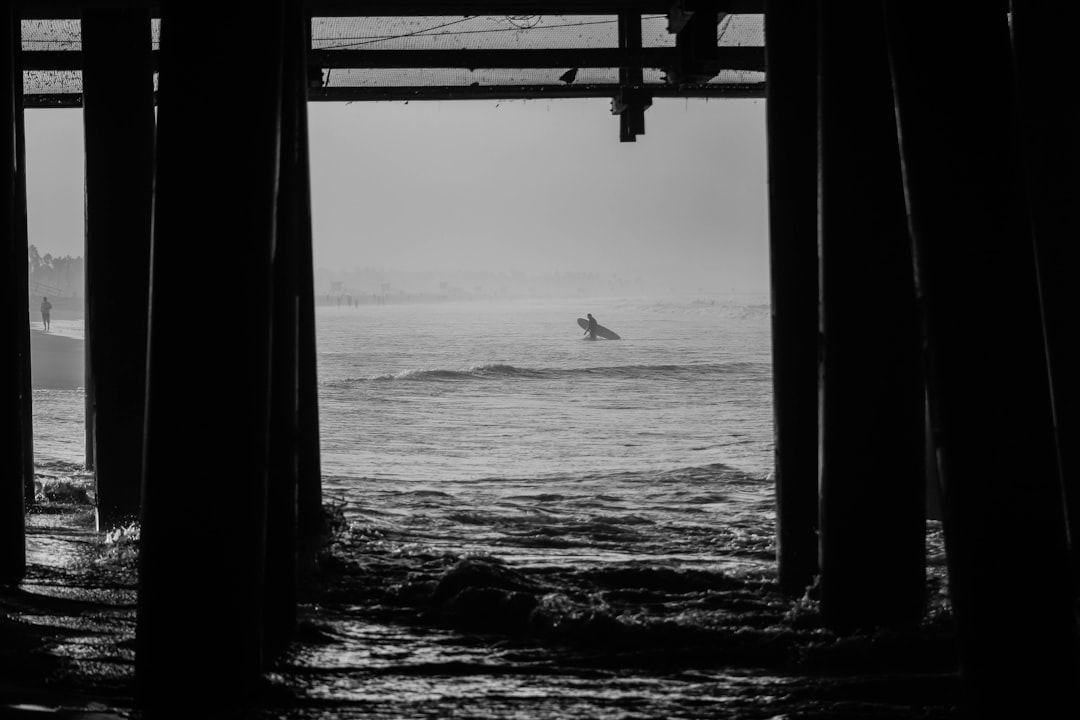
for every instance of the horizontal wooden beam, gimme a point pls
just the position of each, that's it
(733, 58)
(59, 60)
(489, 92)
(529, 92)
(38, 101)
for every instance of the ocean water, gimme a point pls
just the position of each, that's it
(514, 434)
(534, 515)
(535, 525)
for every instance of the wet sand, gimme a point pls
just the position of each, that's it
(65, 630)
(57, 361)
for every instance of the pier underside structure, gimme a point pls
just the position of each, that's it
(922, 171)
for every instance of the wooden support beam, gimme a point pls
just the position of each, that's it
(293, 230)
(52, 100)
(872, 522)
(632, 100)
(529, 92)
(203, 542)
(493, 92)
(23, 282)
(697, 54)
(118, 120)
(1041, 41)
(13, 321)
(986, 365)
(729, 58)
(791, 118)
(311, 521)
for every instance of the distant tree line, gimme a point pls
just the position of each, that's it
(59, 276)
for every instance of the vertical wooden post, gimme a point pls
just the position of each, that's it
(791, 117)
(873, 514)
(118, 117)
(203, 543)
(15, 319)
(294, 228)
(986, 366)
(22, 240)
(632, 101)
(1044, 65)
(310, 520)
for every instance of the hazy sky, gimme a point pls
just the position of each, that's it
(537, 186)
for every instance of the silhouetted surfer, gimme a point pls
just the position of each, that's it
(591, 330)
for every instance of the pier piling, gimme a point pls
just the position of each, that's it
(310, 519)
(21, 239)
(986, 365)
(15, 317)
(293, 231)
(1044, 64)
(118, 120)
(873, 513)
(203, 545)
(791, 117)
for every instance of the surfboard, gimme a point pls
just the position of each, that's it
(601, 331)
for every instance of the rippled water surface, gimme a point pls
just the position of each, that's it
(532, 524)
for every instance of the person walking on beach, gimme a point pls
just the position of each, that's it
(591, 330)
(46, 306)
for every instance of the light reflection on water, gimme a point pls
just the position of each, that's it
(537, 527)
(406, 674)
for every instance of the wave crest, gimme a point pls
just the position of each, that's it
(483, 370)
(488, 371)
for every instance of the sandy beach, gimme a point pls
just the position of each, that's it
(56, 361)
